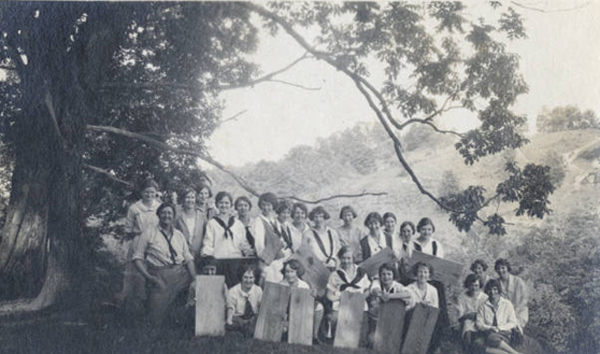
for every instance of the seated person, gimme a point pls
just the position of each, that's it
(514, 289)
(496, 319)
(479, 267)
(467, 305)
(243, 303)
(423, 292)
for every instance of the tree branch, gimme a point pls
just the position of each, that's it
(526, 7)
(232, 118)
(107, 174)
(337, 196)
(429, 123)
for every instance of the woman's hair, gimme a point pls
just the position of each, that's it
(204, 186)
(345, 209)
(242, 199)
(424, 222)
(390, 267)
(207, 261)
(300, 206)
(480, 262)
(415, 268)
(222, 195)
(267, 198)
(502, 262)
(249, 268)
(187, 190)
(147, 183)
(389, 214)
(164, 206)
(493, 283)
(283, 205)
(318, 210)
(408, 223)
(345, 249)
(373, 216)
(295, 265)
(470, 279)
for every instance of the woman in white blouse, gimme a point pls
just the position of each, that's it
(191, 221)
(421, 290)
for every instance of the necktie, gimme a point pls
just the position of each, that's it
(248, 312)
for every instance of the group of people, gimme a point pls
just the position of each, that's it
(170, 243)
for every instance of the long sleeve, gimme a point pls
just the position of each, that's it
(480, 323)
(508, 318)
(258, 231)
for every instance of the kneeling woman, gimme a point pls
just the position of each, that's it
(423, 292)
(243, 303)
(162, 256)
(292, 272)
(496, 318)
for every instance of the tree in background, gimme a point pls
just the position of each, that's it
(566, 118)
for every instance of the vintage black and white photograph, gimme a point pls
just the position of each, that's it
(415, 177)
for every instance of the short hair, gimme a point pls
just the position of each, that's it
(389, 214)
(424, 222)
(147, 183)
(408, 223)
(222, 195)
(389, 266)
(347, 208)
(300, 206)
(345, 249)
(187, 190)
(248, 268)
(415, 268)
(283, 205)
(480, 262)
(373, 216)
(502, 262)
(295, 265)
(267, 198)
(318, 210)
(470, 279)
(207, 261)
(492, 283)
(242, 199)
(204, 186)
(165, 205)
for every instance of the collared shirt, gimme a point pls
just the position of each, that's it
(236, 299)
(376, 245)
(154, 248)
(330, 249)
(429, 296)
(428, 247)
(466, 304)
(140, 216)
(298, 234)
(505, 316)
(335, 283)
(404, 250)
(217, 245)
(518, 294)
(395, 288)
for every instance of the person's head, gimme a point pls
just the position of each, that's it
(248, 276)
(243, 205)
(346, 257)
(208, 265)
(502, 267)
(373, 222)
(166, 214)
(284, 211)
(492, 288)
(318, 215)
(407, 230)
(299, 212)
(422, 271)
(188, 198)
(387, 273)
(148, 190)
(292, 270)
(347, 214)
(472, 283)
(389, 221)
(267, 202)
(426, 227)
(224, 200)
(479, 267)
(204, 194)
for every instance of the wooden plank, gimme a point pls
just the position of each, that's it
(269, 325)
(302, 309)
(420, 329)
(390, 326)
(371, 265)
(210, 305)
(445, 271)
(315, 272)
(350, 318)
(273, 244)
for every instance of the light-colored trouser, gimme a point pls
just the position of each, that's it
(176, 278)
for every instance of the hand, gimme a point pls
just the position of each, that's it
(313, 292)
(385, 297)
(158, 282)
(377, 292)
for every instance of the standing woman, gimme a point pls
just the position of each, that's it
(404, 251)
(299, 225)
(350, 234)
(243, 205)
(322, 240)
(375, 241)
(203, 201)
(389, 230)
(479, 267)
(265, 224)
(140, 215)
(425, 242)
(514, 289)
(284, 228)
(191, 222)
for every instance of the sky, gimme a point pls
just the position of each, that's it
(560, 62)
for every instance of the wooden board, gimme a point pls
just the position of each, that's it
(210, 305)
(390, 326)
(350, 318)
(273, 244)
(371, 265)
(269, 325)
(445, 271)
(420, 329)
(315, 272)
(302, 310)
